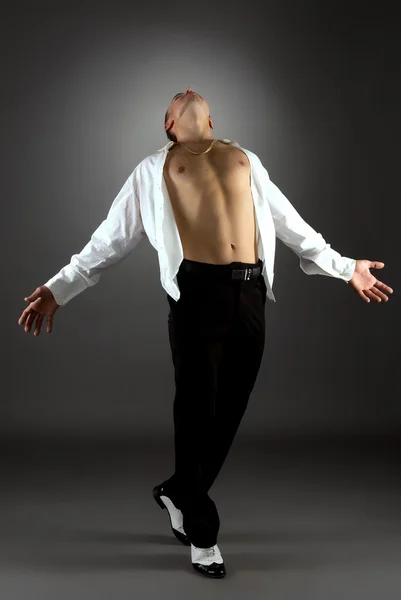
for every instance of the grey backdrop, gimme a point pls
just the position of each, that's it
(313, 90)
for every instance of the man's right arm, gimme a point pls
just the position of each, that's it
(118, 234)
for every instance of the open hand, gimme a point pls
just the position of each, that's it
(366, 285)
(41, 304)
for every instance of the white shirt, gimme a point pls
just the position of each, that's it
(142, 208)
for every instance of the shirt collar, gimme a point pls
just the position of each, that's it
(166, 147)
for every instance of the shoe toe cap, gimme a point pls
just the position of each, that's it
(216, 570)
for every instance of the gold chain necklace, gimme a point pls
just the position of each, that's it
(204, 152)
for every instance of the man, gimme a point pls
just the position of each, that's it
(212, 213)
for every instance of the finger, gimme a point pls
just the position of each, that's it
(24, 315)
(363, 296)
(33, 296)
(49, 326)
(383, 287)
(27, 311)
(31, 318)
(371, 294)
(36, 302)
(376, 264)
(379, 293)
(34, 322)
(39, 322)
(31, 309)
(28, 322)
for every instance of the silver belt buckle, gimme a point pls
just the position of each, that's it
(248, 273)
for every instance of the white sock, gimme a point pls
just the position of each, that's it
(206, 556)
(176, 515)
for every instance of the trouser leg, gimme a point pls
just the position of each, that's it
(216, 335)
(242, 355)
(196, 357)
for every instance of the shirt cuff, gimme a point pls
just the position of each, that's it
(348, 270)
(66, 284)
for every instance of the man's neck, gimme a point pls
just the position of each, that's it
(197, 145)
(195, 139)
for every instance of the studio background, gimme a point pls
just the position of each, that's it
(314, 90)
(309, 495)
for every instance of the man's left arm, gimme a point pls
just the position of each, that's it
(316, 255)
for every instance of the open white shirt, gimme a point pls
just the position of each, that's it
(142, 208)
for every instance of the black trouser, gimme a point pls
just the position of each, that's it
(217, 338)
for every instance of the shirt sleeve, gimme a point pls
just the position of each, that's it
(315, 254)
(118, 234)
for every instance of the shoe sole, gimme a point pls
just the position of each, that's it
(180, 537)
(205, 574)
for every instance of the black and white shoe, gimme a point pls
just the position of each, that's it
(208, 561)
(175, 514)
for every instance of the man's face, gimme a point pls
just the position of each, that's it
(184, 100)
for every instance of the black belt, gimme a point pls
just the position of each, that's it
(221, 271)
(247, 273)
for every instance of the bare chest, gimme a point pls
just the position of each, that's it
(224, 169)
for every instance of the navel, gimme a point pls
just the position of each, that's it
(181, 169)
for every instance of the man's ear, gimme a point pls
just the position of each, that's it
(211, 123)
(168, 124)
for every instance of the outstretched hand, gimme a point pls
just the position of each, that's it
(41, 304)
(366, 285)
